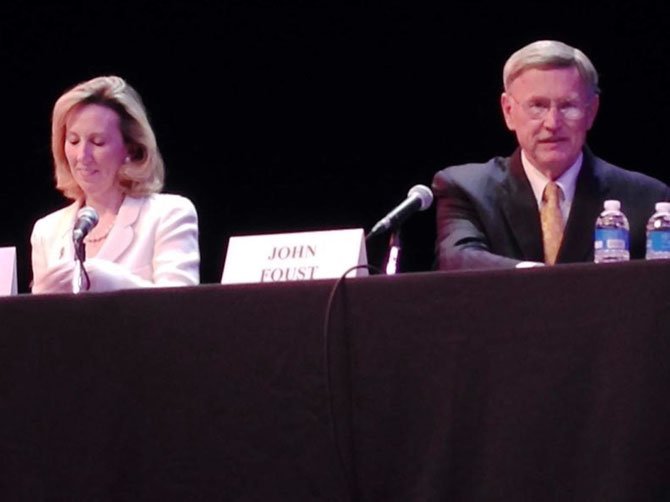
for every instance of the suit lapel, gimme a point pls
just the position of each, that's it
(578, 237)
(122, 233)
(64, 248)
(520, 210)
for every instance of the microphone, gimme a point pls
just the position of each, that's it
(418, 198)
(87, 218)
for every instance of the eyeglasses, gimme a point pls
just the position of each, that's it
(537, 108)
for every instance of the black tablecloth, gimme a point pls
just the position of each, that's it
(539, 384)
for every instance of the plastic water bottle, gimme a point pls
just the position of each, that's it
(611, 236)
(658, 232)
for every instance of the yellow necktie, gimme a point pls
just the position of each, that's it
(552, 222)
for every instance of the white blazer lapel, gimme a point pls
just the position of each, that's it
(122, 233)
(63, 248)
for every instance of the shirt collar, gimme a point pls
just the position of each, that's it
(567, 181)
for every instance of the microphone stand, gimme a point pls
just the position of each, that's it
(391, 267)
(79, 258)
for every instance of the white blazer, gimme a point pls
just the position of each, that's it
(154, 242)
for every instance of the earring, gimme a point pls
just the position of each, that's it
(127, 159)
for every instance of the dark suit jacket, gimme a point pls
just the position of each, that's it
(487, 215)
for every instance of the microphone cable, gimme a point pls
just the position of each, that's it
(347, 470)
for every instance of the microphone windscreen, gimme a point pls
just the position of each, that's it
(88, 213)
(423, 193)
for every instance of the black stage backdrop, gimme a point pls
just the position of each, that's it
(280, 116)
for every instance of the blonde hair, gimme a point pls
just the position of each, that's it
(144, 173)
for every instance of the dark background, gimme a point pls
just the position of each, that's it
(278, 116)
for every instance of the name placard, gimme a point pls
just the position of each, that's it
(298, 256)
(7, 271)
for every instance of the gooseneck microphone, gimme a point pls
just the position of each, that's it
(418, 198)
(87, 218)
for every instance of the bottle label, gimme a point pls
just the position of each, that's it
(611, 238)
(659, 241)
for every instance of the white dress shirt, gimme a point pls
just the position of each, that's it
(567, 182)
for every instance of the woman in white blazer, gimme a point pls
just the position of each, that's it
(106, 157)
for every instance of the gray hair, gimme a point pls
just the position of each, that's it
(550, 54)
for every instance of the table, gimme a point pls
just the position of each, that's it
(537, 384)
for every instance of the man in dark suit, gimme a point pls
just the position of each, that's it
(539, 206)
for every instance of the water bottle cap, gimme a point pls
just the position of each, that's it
(663, 207)
(612, 205)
